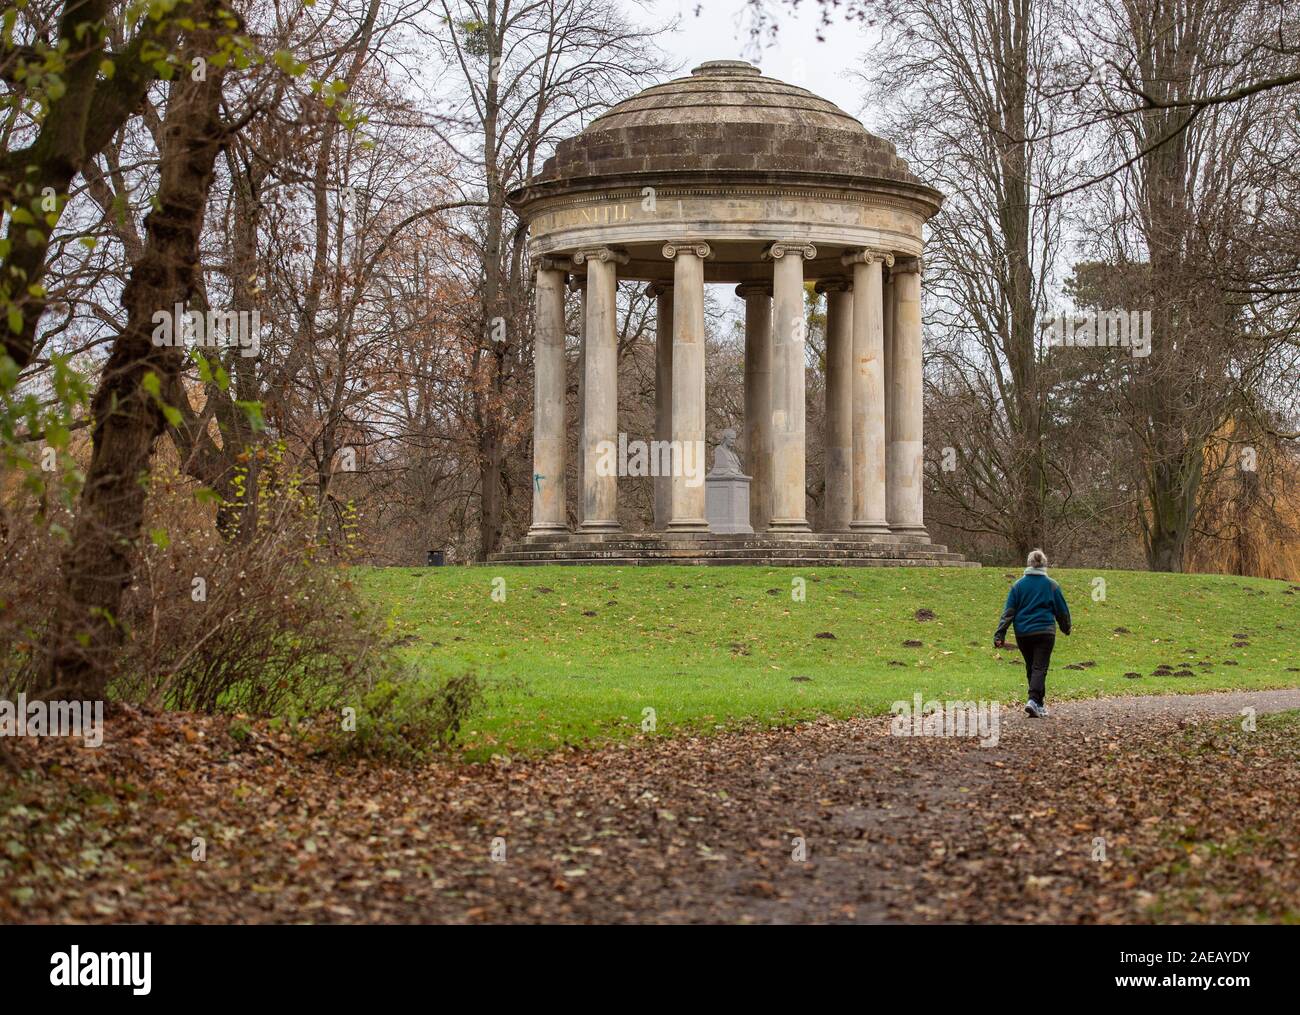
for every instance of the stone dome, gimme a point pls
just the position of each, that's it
(726, 117)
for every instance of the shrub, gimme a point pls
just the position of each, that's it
(260, 619)
(29, 585)
(402, 720)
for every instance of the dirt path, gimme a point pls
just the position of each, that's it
(1197, 818)
(1218, 703)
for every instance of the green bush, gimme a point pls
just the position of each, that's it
(404, 719)
(261, 619)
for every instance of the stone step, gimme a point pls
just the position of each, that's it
(764, 538)
(645, 561)
(799, 549)
(711, 545)
(756, 554)
(753, 546)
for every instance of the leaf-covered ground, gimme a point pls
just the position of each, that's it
(575, 655)
(1199, 820)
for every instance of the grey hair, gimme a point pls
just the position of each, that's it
(1037, 558)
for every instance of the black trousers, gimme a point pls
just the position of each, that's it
(1037, 650)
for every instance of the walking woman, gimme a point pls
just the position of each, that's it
(1034, 606)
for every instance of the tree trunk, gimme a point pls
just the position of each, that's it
(1174, 490)
(1014, 211)
(492, 510)
(127, 417)
(491, 453)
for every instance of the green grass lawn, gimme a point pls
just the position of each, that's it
(576, 654)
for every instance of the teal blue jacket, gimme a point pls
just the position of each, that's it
(1034, 605)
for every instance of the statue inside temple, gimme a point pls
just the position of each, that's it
(725, 460)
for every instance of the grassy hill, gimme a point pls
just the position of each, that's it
(576, 654)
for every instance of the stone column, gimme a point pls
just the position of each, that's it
(548, 399)
(600, 408)
(789, 327)
(687, 500)
(838, 453)
(578, 284)
(869, 454)
(906, 449)
(887, 306)
(663, 295)
(758, 400)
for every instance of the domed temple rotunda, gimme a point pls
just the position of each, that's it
(727, 176)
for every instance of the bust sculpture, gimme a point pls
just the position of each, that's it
(725, 460)
(727, 490)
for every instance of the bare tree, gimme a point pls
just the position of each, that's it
(963, 78)
(525, 73)
(128, 412)
(1183, 205)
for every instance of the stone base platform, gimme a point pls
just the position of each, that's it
(806, 549)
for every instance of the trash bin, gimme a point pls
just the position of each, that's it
(437, 558)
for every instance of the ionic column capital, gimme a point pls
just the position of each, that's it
(867, 257)
(697, 247)
(545, 262)
(907, 266)
(834, 285)
(747, 289)
(780, 248)
(656, 289)
(602, 254)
